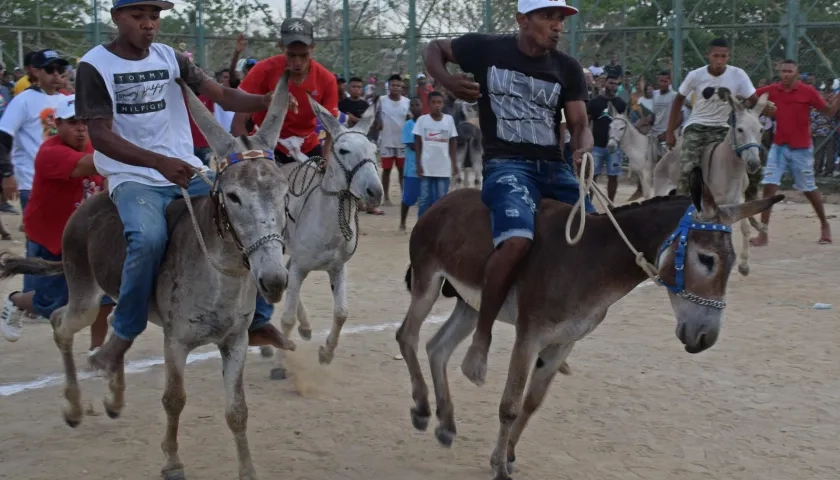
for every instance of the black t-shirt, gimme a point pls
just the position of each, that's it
(521, 96)
(599, 111)
(353, 107)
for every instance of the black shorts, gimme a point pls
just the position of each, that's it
(282, 159)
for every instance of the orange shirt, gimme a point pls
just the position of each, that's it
(320, 83)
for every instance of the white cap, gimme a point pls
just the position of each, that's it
(528, 6)
(66, 107)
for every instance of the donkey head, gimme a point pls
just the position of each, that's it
(696, 262)
(745, 134)
(249, 191)
(353, 160)
(618, 127)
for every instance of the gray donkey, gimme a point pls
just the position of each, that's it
(725, 165)
(561, 293)
(200, 298)
(323, 224)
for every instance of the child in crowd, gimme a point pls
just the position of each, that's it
(411, 183)
(434, 144)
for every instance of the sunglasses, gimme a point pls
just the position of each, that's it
(51, 69)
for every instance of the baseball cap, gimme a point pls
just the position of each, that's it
(251, 62)
(528, 6)
(294, 30)
(27, 59)
(42, 58)
(66, 108)
(162, 4)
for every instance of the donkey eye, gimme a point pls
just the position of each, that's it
(707, 260)
(740, 130)
(234, 198)
(343, 151)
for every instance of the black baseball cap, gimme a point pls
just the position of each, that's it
(161, 4)
(42, 58)
(27, 59)
(294, 30)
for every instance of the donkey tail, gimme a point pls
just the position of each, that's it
(11, 265)
(448, 290)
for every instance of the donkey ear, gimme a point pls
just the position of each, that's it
(760, 104)
(366, 121)
(701, 196)
(328, 120)
(731, 214)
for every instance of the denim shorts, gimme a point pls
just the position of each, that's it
(604, 160)
(50, 291)
(411, 191)
(800, 163)
(512, 190)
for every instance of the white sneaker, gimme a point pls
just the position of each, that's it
(11, 321)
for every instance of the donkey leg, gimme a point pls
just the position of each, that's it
(424, 293)
(439, 349)
(548, 363)
(304, 328)
(174, 399)
(236, 411)
(522, 357)
(288, 318)
(744, 266)
(338, 284)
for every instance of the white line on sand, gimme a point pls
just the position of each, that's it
(139, 366)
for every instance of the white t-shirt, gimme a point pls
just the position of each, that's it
(596, 71)
(222, 116)
(393, 114)
(662, 104)
(435, 135)
(714, 111)
(149, 111)
(29, 119)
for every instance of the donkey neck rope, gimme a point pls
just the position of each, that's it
(345, 198)
(233, 158)
(687, 223)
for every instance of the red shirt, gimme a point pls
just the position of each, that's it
(55, 194)
(793, 112)
(198, 138)
(423, 92)
(319, 82)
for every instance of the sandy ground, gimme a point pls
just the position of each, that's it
(764, 403)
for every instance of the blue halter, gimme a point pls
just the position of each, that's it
(237, 157)
(680, 235)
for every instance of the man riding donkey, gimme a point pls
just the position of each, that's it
(298, 138)
(522, 142)
(139, 126)
(709, 122)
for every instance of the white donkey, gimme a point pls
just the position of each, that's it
(469, 150)
(323, 224)
(643, 151)
(725, 165)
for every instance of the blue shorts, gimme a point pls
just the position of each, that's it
(604, 160)
(512, 190)
(411, 191)
(800, 163)
(50, 291)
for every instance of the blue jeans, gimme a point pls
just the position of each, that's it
(604, 160)
(432, 189)
(512, 190)
(28, 285)
(50, 291)
(263, 313)
(142, 209)
(800, 163)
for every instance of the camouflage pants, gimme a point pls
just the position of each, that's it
(695, 140)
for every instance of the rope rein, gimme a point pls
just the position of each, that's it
(586, 183)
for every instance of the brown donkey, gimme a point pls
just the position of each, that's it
(561, 292)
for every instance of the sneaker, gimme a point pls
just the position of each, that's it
(11, 320)
(7, 208)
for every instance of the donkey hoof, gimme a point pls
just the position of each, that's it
(113, 413)
(510, 462)
(744, 270)
(444, 436)
(325, 355)
(278, 373)
(71, 421)
(305, 333)
(266, 351)
(174, 475)
(419, 420)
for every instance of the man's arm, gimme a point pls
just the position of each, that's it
(676, 113)
(577, 122)
(63, 163)
(241, 43)
(228, 98)
(463, 51)
(418, 148)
